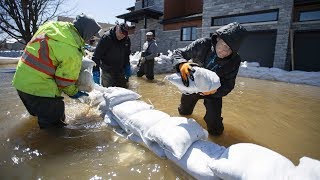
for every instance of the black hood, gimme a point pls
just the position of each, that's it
(86, 26)
(233, 34)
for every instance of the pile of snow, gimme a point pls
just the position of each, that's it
(163, 64)
(253, 70)
(183, 141)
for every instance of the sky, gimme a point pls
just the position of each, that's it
(102, 10)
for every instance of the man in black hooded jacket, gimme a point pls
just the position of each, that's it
(218, 54)
(112, 56)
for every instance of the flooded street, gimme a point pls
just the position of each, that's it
(280, 116)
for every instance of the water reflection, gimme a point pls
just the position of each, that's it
(283, 117)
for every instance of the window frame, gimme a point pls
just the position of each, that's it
(247, 14)
(305, 11)
(191, 32)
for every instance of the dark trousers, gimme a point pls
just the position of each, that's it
(50, 111)
(109, 79)
(213, 111)
(146, 68)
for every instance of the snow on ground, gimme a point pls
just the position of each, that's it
(163, 64)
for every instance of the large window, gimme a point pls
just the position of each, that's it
(188, 33)
(309, 15)
(246, 18)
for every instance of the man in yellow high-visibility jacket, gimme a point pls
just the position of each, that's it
(50, 65)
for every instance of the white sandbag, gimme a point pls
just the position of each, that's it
(85, 81)
(308, 169)
(95, 97)
(250, 162)
(154, 147)
(110, 119)
(176, 134)
(139, 123)
(204, 81)
(196, 159)
(117, 95)
(87, 64)
(123, 110)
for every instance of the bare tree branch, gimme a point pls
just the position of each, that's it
(21, 18)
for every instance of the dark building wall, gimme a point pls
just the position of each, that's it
(218, 8)
(274, 33)
(175, 26)
(180, 8)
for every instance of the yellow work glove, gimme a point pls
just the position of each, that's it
(186, 71)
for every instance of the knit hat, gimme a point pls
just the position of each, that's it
(86, 26)
(233, 34)
(149, 33)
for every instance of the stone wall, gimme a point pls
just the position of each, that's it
(169, 40)
(216, 8)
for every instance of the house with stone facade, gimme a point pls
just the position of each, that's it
(282, 33)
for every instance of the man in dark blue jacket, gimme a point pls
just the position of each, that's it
(218, 54)
(112, 56)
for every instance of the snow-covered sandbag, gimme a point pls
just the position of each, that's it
(139, 123)
(154, 147)
(123, 110)
(176, 134)
(204, 81)
(117, 95)
(196, 159)
(85, 81)
(308, 168)
(249, 162)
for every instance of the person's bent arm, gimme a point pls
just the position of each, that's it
(68, 69)
(193, 51)
(227, 82)
(99, 51)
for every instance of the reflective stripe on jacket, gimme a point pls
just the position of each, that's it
(51, 61)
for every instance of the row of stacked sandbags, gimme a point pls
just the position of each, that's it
(184, 141)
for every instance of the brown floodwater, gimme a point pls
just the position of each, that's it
(280, 116)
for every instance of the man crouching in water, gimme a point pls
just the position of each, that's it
(218, 54)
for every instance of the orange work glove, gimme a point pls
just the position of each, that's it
(186, 71)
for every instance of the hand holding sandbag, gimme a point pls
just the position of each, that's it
(205, 81)
(186, 71)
